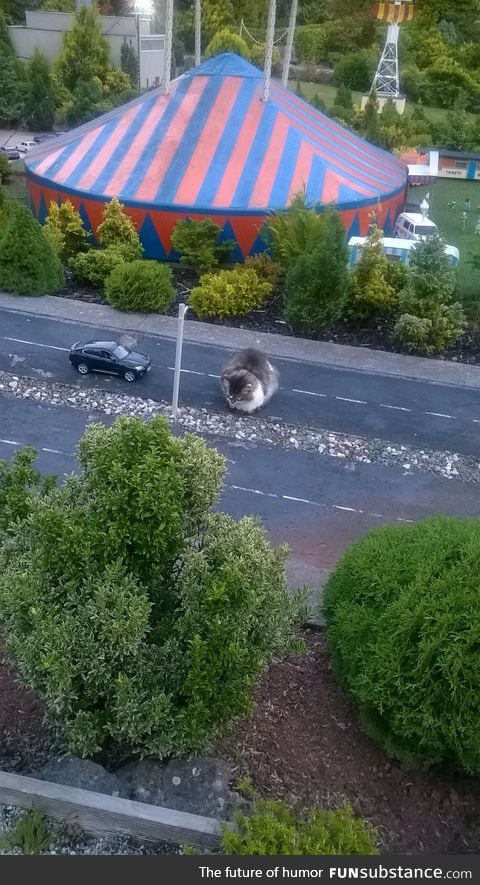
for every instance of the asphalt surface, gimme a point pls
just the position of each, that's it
(316, 504)
(404, 411)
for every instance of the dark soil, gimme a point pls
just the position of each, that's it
(303, 742)
(377, 336)
(25, 741)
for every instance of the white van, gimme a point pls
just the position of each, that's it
(414, 226)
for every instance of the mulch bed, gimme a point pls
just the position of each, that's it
(377, 336)
(301, 743)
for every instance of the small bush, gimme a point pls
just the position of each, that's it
(264, 267)
(226, 40)
(229, 293)
(5, 171)
(118, 231)
(369, 293)
(20, 485)
(292, 233)
(353, 70)
(30, 835)
(403, 625)
(28, 263)
(273, 828)
(198, 243)
(310, 43)
(430, 329)
(96, 265)
(65, 230)
(143, 617)
(140, 285)
(256, 54)
(315, 286)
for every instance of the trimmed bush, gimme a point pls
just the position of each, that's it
(311, 43)
(264, 267)
(226, 40)
(118, 231)
(256, 54)
(439, 327)
(229, 293)
(65, 230)
(198, 243)
(272, 828)
(353, 70)
(403, 622)
(140, 285)
(141, 616)
(315, 286)
(291, 234)
(369, 293)
(28, 263)
(96, 265)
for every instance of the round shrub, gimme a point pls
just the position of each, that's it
(229, 293)
(273, 828)
(96, 265)
(225, 40)
(28, 262)
(264, 267)
(353, 70)
(143, 617)
(140, 285)
(403, 621)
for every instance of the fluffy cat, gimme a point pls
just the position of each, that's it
(248, 380)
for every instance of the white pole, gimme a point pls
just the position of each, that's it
(198, 32)
(182, 309)
(288, 49)
(267, 69)
(168, 46)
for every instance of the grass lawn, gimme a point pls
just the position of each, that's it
(17, 187)
(327, 93)
(450, 224)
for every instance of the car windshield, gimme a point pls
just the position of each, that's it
(423, 231)
(121, 352)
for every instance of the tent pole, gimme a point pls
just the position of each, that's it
(198, 32)
(288, 49)
(267, 70)
(168, 46)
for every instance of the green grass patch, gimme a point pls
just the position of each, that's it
(17, 187)
(456, 232)
(328, 93)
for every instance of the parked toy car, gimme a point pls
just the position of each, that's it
(25, 146)
(395, 249)
(109, 357)
(414, 226)
(45, 136)
(10, 153)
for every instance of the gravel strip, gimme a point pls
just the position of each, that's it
(72, 840)
(248, 429)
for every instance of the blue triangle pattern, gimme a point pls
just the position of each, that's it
(86, 223)
(42, 210)
(228, 234)
(354, 230)
(150, 240)
(258, 246)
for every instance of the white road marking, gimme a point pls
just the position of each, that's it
(440, 415)
(37, 344)
(398, 408)
(309, 392)
(252, 491)
(10, 442)
(310, 503)
(345, 399)
(301, 500)
(13, 442)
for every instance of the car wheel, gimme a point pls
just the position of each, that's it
(129, 375)
(83, 369)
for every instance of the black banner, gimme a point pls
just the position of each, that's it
(195, 870)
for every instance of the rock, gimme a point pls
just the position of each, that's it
(81, 773)
(198, 786)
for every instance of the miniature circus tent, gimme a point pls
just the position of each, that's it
(212, 147)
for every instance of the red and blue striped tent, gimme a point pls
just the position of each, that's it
(213, 148)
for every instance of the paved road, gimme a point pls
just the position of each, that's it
(318, 505)
(405, 411)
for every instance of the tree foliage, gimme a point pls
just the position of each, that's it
(141, 616)
(85, 54)
(40, 100)
(403, 624)
(28, 262)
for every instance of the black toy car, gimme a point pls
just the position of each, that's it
(109, 357)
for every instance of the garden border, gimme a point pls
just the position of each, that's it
(104, 815)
